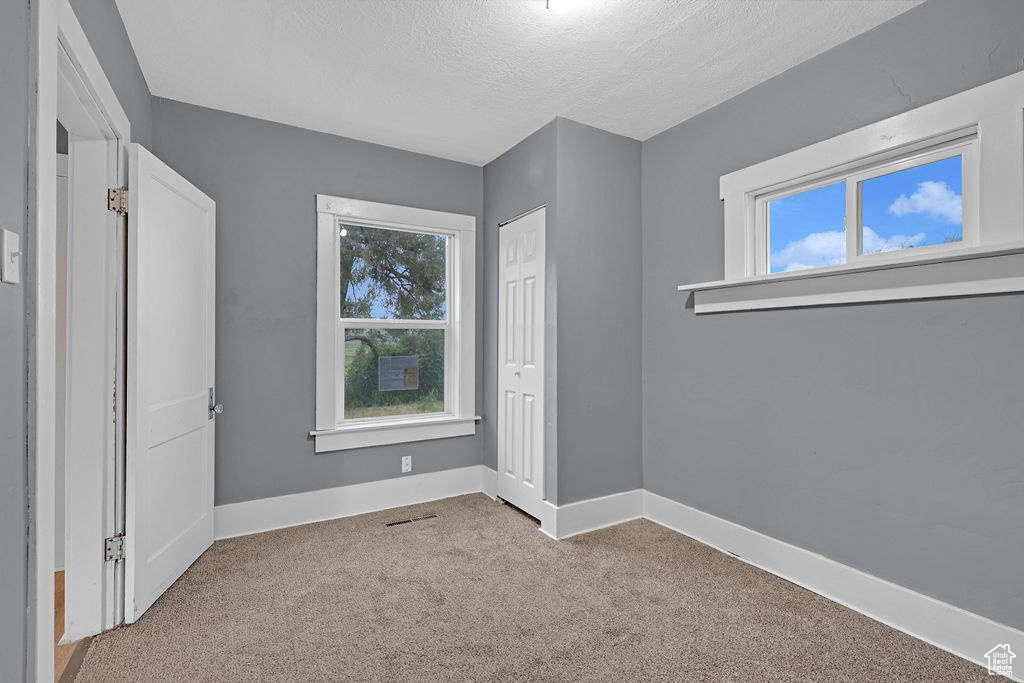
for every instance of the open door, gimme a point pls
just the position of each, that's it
(170, 379)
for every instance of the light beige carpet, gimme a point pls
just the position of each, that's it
(480, 594)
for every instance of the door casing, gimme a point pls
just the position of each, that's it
(67, 83)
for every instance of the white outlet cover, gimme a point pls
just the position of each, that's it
(407, 463)
(11, 254)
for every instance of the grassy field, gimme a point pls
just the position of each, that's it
(424, 405)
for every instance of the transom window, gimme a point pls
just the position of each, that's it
(395, 324)
(910, 202)
(924, 204)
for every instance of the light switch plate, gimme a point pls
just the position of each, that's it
(10, 253)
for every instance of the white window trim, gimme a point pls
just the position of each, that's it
(332, 433)
(993, 211)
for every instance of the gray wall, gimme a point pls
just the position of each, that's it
(264, 177)
(885, 436)
(101, 21)
(14, 31)
(598, 256)
(590, 181)
(519, 180)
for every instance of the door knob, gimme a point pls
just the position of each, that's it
(215, 408)
(516, 373)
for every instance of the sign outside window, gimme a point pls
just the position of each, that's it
(398, 373)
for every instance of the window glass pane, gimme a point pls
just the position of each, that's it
(393, 372)
(805, 230)
(392, 274)
(913, 208)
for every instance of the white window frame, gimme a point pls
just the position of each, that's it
(962, 144)
(985, 125)
(333, 432)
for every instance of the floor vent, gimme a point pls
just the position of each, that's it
(408, 521)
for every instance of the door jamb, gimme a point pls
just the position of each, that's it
(53, 25)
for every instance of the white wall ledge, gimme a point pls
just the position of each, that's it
(965, 272)
(385, 432)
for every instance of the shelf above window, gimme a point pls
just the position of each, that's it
(965, 272)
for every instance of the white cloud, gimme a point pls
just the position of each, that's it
(934, 198)
(829, 249)
(873, 244)
(816, 250)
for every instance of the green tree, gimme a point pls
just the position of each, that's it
(361, 369)
(392, 274)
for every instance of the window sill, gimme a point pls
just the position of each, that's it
(965, 272)
(384, 432)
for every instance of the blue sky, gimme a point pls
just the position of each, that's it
(911, 208)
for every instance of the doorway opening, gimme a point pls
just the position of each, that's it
(88, 364)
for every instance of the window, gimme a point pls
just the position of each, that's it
(907, 201)
(924, 204)
(395, 324)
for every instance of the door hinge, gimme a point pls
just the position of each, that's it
(117, 200)
(113, 548)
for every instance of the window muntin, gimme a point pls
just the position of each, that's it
(925, 191)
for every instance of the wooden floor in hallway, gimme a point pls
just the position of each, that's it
(66, 658)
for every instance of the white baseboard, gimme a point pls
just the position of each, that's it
(593, 514)
(563, 521)
(265, 514)
(963, 633)
(489, 481)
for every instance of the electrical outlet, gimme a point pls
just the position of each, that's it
(407, 463)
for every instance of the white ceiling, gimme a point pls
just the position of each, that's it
(467, 79)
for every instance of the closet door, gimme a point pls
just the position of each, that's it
(521, 362)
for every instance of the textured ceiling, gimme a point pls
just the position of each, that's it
(467, 79)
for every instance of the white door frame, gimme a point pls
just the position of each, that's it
(76, 71)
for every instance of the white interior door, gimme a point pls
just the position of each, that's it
(521, 362)
(170, 427)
